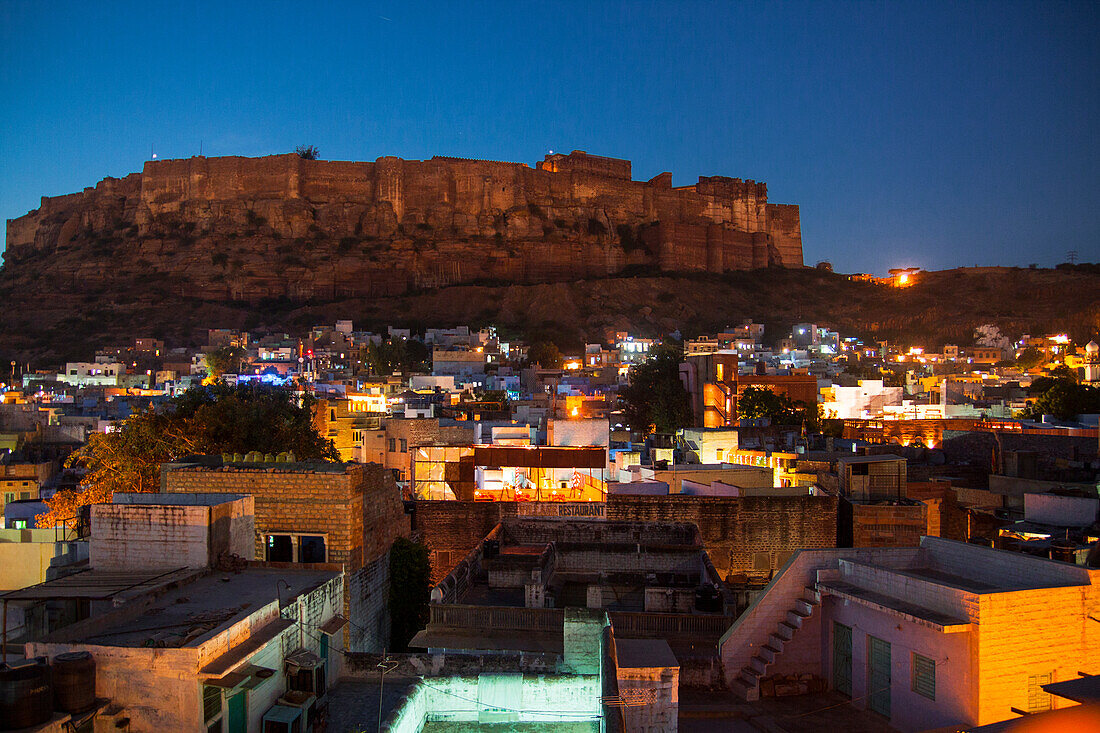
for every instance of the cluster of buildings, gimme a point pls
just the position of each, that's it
(916, 569)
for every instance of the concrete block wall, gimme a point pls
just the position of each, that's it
(1002, 567)
(149, 537)
(954, 602)
(660, 687)
(368, 606)
(1033, 632)
(451, 529)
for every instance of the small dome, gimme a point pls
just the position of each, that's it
(1092, 347)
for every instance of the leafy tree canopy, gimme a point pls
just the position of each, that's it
(655, 398)
(545, 354)
(226, 360)
(1063, 398)
(211, 419)
(758, 402)
(1029, 358)
(397, 355)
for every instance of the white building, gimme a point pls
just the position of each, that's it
(941, 635)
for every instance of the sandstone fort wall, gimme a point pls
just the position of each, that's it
(303, 228)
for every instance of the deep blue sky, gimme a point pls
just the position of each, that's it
(922, 134)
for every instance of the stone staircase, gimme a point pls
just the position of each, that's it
(747, 683)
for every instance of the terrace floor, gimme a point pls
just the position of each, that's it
(703, 712)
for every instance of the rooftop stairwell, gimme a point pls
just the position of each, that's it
(746, 684)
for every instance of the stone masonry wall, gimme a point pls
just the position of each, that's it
(748, 535)
(339, 228)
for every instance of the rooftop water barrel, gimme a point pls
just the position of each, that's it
(73, 682)
(26, 697)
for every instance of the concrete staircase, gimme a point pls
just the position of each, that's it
(747, 683)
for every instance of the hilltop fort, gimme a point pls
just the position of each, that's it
(235, 228)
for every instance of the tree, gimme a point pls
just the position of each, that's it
(226, 360)
(655, 397)
(545, 354)
(308, 152)
(410, 591)
(758, 402)
(1029, 358)
(1063, 398)
(392, 355)
(204, 420)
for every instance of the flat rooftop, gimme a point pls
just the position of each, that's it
(191, 613)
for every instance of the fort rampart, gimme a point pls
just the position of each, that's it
(285, 226)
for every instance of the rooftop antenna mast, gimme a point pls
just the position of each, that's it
(1071, 257)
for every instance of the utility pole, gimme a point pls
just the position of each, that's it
(386, 665)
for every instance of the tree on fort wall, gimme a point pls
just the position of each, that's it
(307, 152)
(205, 420)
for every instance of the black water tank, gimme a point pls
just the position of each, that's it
(708, 599)
(25, 695)
(1063, 550)
(490, 548)
(73, 682)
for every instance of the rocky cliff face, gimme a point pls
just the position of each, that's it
(246, 229)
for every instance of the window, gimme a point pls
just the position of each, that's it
(1038, 699)
(311, 548)
(924, 676)
(280, 548)
(332, 414)
(212, 705)
(404, 446)
(393, 445)
(357, 436)
(305, 548)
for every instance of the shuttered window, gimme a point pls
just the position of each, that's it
(211, 702)
(924, 676)
(1038, 699)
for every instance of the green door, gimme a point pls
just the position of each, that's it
(237, 713)
(878, 675)
(842, 658)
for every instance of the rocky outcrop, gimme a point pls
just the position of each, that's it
(246, 229)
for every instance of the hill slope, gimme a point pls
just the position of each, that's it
(44, 324)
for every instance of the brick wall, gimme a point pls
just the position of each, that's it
(751, 535)
(452, 528)
(358, 509)
(888, 525)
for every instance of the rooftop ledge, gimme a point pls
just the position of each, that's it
(910, 612)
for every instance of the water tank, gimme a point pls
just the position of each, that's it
(708, 599)
(26, 698)
(490, 548)
(1064, 551)
(73, 682)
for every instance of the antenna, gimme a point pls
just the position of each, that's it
(1071, 257)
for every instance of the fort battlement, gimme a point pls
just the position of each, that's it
(389, 224)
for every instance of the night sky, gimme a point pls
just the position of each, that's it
(911, 134)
